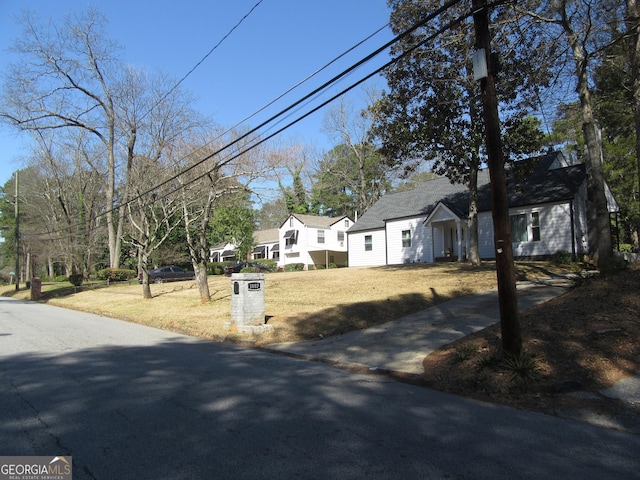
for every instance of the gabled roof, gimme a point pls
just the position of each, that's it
(412, 203)
(315, 221)
(266, 236)
(533, 181)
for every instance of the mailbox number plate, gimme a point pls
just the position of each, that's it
(254, 285)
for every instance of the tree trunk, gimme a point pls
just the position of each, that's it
(113, 238)
(144, 270)
(202, 281)
(198, 253)
(473, 255)
(633, 23)
(598, 219)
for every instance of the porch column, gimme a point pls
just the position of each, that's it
(433, 252)
(459, 232)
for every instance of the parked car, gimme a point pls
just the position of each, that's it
(169, 274)
(237, 268)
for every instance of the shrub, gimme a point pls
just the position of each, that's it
(562, 257)
(265, 262)
(294, 267)
(76, 279)
(116, 274)
(250, 270)
(215, 268)
(523, 368)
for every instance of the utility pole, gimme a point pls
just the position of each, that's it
(17, 235)
(506, 273)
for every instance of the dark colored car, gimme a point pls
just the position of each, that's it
(169, 274)
(237, 268)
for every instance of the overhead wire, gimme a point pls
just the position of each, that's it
(322, 87)
(336, 96)
(284, 111)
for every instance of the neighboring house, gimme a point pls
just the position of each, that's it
(267, 245)
(313, 240)
(548, 211)
(306, 239)
(222, 253)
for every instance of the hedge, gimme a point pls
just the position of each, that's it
(116, 274)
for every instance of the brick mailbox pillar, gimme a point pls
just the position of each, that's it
(36, 288)
(247, 299)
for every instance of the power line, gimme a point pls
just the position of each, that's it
(322, 87)
(317, 90)
(208, 53)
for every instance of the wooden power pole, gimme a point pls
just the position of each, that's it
(507, 296)
(17, 235)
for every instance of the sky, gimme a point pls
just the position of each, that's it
(279, 44)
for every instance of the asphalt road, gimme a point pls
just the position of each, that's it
(131, 402)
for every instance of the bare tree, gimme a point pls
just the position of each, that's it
(65, 78)
(153, 215)
(581, 23)
(68, 77)
(362, 171)
(213, 174)
(69, 197)
(290, 166)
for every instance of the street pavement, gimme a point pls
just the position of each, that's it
(128, 401)
(400, 346)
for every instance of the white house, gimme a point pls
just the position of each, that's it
(313, 240)
(267, 244)
(223, 252)
(548, 210)
(306, 239)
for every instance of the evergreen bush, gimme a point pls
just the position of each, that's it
(76, 279)
(116, 274)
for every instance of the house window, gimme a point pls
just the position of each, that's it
(346, 223)
(341, 236)
(535, 226)
(368, 243)
(291, 221)
(525, 229)
(406, 238)
(320, 236)
(519, 231)
(290, 237)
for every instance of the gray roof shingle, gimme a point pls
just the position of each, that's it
(540, 185)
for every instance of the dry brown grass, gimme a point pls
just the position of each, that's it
(584, 340)
(300, 305)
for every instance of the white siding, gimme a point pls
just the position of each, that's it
(420, 249)
(358, 257)
(555, 231)
(485, 235)
(307, 249)
(295, 253)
